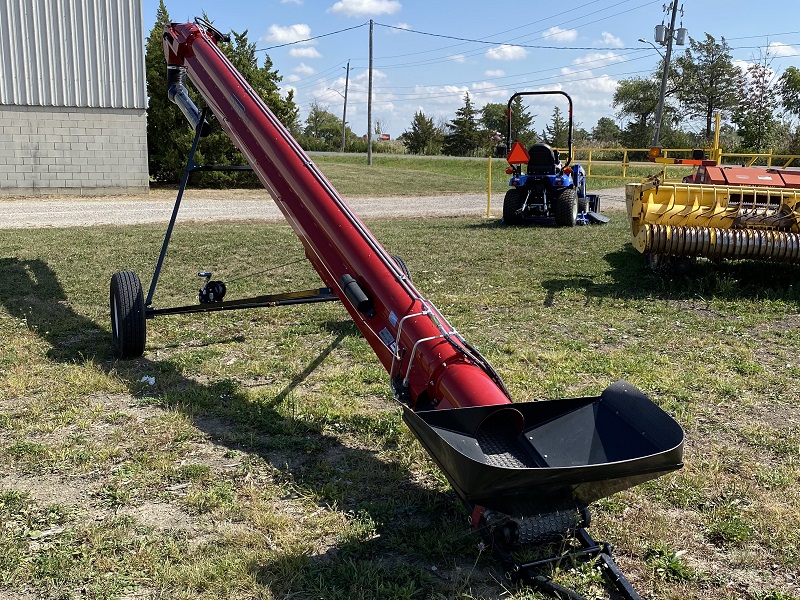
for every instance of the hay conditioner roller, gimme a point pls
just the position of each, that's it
(526, 471)
(718, 212)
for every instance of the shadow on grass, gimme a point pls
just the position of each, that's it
(411, 527)
(631, 278)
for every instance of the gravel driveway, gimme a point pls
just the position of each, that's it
(233, 205)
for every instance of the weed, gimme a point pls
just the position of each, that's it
(667, 564)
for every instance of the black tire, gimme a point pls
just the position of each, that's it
(128, 323)
(565, 207)
(511, 204)
(403, 266)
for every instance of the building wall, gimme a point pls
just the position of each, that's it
(72, 97)
(84, 151)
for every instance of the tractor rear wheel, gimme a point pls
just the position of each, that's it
(565, 207)
(128, 328)
(511, 205)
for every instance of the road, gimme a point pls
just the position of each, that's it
(232, 205)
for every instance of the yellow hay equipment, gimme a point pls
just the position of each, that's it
(719, 212)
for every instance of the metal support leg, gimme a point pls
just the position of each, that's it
(190, 166)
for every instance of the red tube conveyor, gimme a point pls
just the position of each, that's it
(496, 454)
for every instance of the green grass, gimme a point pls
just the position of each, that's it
(269, 460)
(406, 175)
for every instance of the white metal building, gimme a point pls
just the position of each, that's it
(72, 97)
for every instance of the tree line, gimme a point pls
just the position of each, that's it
(758, 109)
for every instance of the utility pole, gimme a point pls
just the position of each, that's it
(344, 110)
(369, 100)
(665, 35)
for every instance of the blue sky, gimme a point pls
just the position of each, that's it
(581, 47)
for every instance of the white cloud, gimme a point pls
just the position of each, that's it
(506, 52)
(495, 73)
(609, 39)
(399, 27)
(781, 49)
(292, 78)
(291, 1)
(557, 34)
(363, 8)
(306, 52)
(287, 35)
(598, 59)
(459, 58)
(304, 69)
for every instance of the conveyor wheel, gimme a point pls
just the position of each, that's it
(128, 322)
(403, 266)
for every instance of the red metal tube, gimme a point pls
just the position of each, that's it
(442, 370)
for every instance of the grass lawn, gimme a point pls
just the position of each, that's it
(406, 175)
(411, 175)
(268, 459)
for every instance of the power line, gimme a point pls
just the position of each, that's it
(311, 39)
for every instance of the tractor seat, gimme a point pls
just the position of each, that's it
(543, 160)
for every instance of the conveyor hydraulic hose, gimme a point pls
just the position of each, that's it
(411, 338)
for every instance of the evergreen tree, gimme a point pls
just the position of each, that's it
(169, 136)
(494, 119)
(423, 137)
(463, 137)
(556, 134)
(706, 80)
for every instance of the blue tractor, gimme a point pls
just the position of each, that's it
(550, 188)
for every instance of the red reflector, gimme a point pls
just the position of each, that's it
(518, 154)
(567, 170)
(509, 170)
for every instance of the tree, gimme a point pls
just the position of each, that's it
(789, 89)
(463, 137)
(758, 101)
(706, 80)
(557, 132)
(494, 118)
(169, 136)
(423, 137)
(636, 99)
(606, 132)
(323, 129)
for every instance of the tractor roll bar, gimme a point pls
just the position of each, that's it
(569, 120)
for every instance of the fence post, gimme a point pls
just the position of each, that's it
(625, 163)
(489, 189)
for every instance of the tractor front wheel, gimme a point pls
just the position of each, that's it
(565, 207)
(511, 205)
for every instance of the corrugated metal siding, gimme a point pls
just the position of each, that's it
(81, 53)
